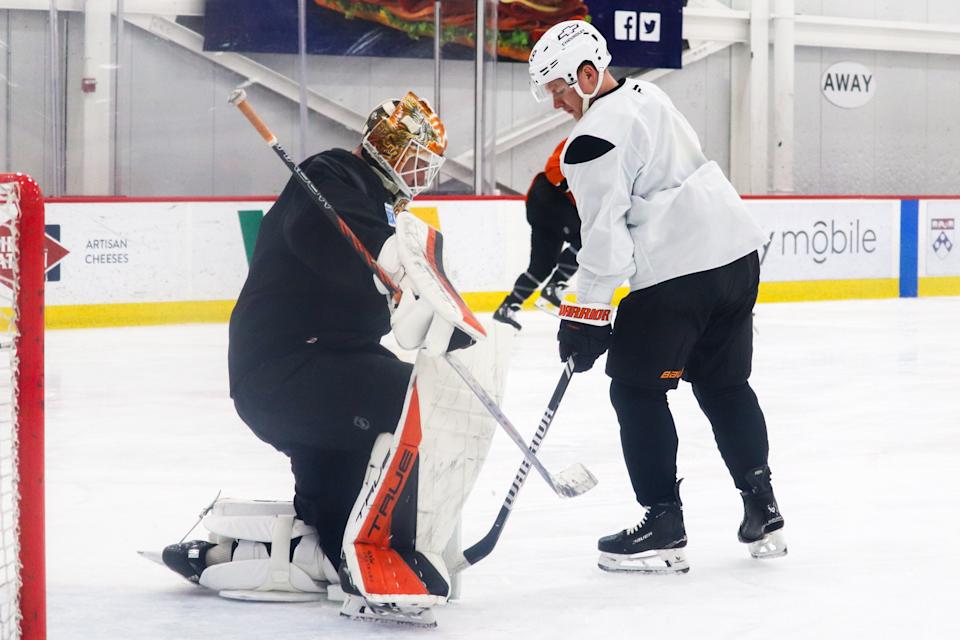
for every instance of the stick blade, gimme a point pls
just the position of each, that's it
(575, 480)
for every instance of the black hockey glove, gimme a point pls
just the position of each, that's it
(585, 333)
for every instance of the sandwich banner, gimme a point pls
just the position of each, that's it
(639, 33)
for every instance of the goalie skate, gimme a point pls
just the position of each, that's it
(358, 608)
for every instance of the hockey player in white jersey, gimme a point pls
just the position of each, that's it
(655, 212)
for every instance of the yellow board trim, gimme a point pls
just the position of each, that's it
(154, 313)
(137, 314)
(806, 290)
(939, 286)
(810, 290)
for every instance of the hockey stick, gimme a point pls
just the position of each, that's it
(238, 98)
(570, 482)
(483, 547)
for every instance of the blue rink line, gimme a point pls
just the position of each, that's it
(909, 224)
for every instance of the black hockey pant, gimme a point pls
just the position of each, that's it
(324, 409)
(649, 437)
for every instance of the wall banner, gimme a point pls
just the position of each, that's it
(645, 33)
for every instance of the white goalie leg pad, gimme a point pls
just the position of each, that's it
(419, 479)
(457, 433)
(253, 573)
(378, 544)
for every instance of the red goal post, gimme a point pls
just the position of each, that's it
(22, 269)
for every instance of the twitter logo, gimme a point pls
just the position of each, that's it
(651, 26)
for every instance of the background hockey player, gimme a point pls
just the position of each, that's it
(552, 214)
(308, 376)
(656, 212)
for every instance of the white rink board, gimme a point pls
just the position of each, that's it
(141, 252)
(486, 242)
(148, 252)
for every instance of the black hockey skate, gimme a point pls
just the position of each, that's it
(655, 545)
(507, 314)
(189, 559)
(762, 526)
(551, 297)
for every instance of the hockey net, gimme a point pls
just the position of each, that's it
(22, 262)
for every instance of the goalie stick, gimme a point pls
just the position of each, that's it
(570, 482)
(483, 547)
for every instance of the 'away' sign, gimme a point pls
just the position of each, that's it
(848, 85)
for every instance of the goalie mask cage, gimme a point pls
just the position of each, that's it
(22, 267)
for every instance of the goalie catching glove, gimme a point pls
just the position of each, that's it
(585, 333)
(431, 315)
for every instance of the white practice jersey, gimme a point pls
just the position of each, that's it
(652, 207)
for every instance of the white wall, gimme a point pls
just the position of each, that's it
(177, 135)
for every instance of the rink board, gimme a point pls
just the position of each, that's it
(155, 261)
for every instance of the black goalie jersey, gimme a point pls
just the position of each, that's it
(307, 285)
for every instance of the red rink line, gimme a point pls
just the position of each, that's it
(262, 198)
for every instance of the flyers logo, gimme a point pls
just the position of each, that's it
(671, 375)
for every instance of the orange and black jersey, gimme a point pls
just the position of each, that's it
(554, 174)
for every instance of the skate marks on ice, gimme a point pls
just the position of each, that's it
(859, 396)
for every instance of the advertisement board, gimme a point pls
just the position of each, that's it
(121, 262)
(828, 239)
(939, 250)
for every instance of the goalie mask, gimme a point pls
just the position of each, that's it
(406, 140)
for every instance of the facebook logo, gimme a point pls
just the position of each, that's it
(631, 25)
(625, 25)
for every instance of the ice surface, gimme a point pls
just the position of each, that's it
(861, 399)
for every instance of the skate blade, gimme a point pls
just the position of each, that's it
(662, 561)
(509, 322)
(152, 556)
(772, 545)
(356, 608)
(547, 306)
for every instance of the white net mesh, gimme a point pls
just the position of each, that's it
(9, 553)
